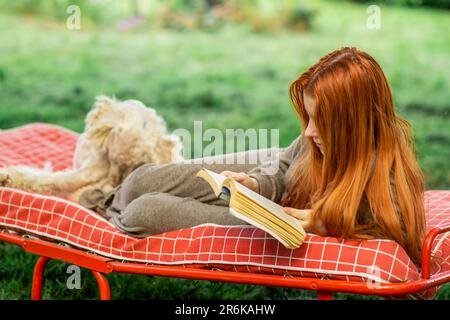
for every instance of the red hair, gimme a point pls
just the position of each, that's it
(368, 155)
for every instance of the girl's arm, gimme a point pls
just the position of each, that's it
(272, 183)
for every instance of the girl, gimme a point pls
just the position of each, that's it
(351, 174)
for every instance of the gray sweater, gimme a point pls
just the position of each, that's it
(272, 186)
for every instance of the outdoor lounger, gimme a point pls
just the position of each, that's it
(54, 228)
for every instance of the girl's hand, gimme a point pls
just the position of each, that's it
(243, 179)
(303, 215)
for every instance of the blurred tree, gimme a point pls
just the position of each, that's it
(135, 6)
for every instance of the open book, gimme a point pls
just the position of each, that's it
(255, 209)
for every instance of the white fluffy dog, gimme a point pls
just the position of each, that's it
(119, 136)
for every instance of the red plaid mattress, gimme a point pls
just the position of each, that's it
(240, 248)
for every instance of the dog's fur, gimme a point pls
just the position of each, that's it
(119, 136)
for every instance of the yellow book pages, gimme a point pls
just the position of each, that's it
(279, 226)
(215, 180)
(255, 209)
(261, 211)
(289, 240)
(262, 227)
(292, 236)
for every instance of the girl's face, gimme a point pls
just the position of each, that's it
(311, 130)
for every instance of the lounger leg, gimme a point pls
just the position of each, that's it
(103, 285)
(38, 278)
(324, 295)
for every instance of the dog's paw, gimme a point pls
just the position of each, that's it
(4, 178)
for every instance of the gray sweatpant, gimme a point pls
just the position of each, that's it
(157, 198)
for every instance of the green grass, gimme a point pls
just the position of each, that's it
(228, 79)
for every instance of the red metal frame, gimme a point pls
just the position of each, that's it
(100, 266)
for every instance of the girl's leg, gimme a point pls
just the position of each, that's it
(156, 212)
(177, 179)
(157, 198)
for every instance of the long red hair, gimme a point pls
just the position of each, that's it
(365, 146)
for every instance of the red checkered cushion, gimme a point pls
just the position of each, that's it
(240, 248)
